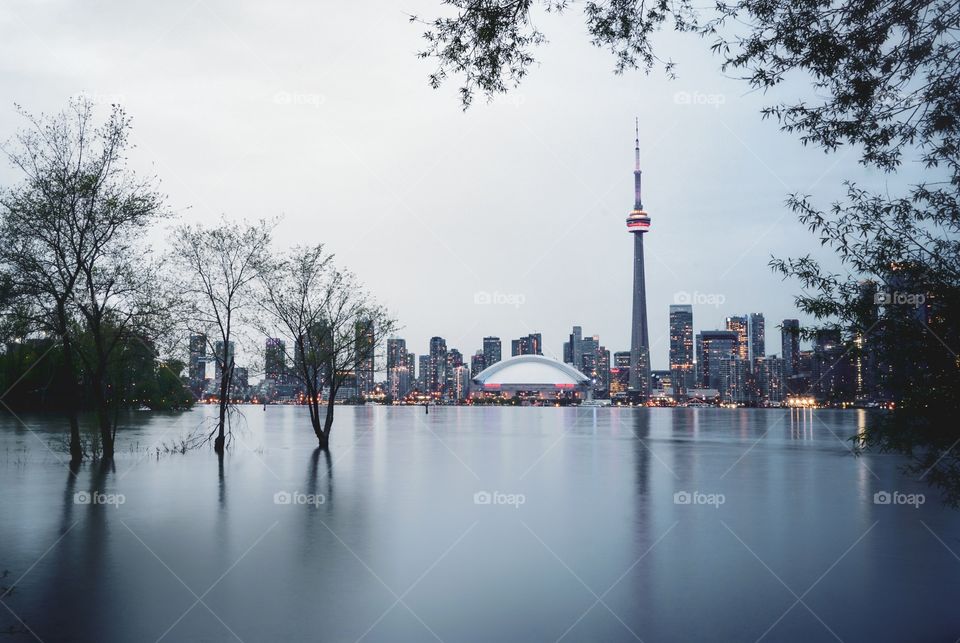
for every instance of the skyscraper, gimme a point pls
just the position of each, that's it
(769, 374)
(396, 352)
(681, 348)
(573, 349)
(588, 360)
(222, 360)
(460, 389)
(620, 372)
(739, 326)
(275, 360)
(241, 380)
(621, 359)
(398, 370)
(364, 344)
(602, 386)
(452, 372)
(197, 368)
(833, 367)
(436, 376)
(536, 343)
(491, 351)
(712, 346)
(477, 363)
(758, 337)
(734, 381)
(790, 346)
(638, 223)
(532, 344)
(423, 379)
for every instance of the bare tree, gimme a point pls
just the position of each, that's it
(219, 267)
(331, 321)
(70, 235)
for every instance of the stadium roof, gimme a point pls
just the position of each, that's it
(533, 371)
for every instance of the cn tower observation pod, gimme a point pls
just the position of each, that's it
(531, 373)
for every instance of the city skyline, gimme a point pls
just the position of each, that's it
(727, 365)
(383, 360)
(749, 329)
(546, 224)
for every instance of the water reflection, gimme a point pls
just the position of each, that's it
(801, 423)
(599, 486)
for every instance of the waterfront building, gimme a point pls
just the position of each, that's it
(790, 346)
(770, 381)
(738, 325)
(681, 349)
(491, 350)
(197, 365)
(758, 337)
(477, 363)
(364, 345)
(712, 346)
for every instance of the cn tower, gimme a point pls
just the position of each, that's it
(638, 223)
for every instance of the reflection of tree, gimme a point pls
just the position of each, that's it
(313, 474)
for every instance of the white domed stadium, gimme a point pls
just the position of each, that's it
(532, 374)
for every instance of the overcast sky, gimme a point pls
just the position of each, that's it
(320, 112)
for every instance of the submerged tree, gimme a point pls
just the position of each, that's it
(885, 80)
(123, 303)
(39, 273)
(219, 268)
(73, 255)
(332, 323)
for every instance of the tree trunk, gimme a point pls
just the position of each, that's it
(221, 439)
(103, 414)
(225, 377)
(314, 406)
(99, 384)
(324, 436)
(76, 449)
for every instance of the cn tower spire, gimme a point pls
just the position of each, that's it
(638, 223)
(637, 141)
(637, 202)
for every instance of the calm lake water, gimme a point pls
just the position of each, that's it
(477, 524)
